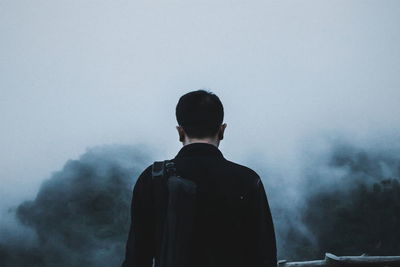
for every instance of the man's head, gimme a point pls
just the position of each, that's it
(200, 115)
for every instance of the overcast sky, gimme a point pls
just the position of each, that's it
(76, 74)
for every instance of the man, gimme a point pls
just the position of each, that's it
(232, 223)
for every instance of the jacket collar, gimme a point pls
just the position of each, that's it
(199, 149)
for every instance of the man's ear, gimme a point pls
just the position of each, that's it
(221, 131)
(181, 133)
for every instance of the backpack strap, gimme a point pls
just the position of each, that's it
(160, 168)
(160, 199)
(161, 171)
(170, 168)
(157, 169)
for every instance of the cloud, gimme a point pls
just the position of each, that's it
(347, 203)
(345, 200)
(80, 216)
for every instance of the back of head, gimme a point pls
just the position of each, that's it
(200, 113)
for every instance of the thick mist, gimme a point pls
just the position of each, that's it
(81, 214)
(346, 201)
(311, 97)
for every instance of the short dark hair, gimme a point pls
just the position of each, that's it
(200, 113)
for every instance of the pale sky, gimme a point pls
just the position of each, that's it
(76, 74)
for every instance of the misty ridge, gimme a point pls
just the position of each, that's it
(348, 203)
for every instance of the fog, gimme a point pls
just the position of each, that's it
(298, 79)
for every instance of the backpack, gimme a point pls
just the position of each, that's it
(175, 206)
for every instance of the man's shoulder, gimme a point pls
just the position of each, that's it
(242, 168)
(146, 170)
(145, 175)
(242, 171)
(228, 166)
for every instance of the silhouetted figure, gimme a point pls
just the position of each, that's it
(200, 209)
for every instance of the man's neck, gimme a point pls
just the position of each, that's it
(201, 140)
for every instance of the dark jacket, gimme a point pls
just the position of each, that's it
(233, 225)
